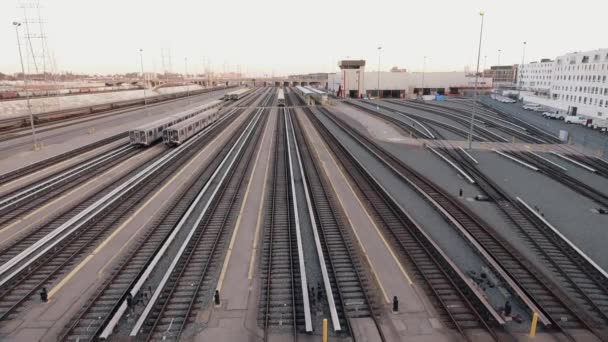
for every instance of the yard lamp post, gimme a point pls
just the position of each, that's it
(143, 77)
(481, 14)
(521, 68)
(423, 71)
(378, 88)
(27, 94)
(185, 77)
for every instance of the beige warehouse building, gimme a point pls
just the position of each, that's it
(399, 84)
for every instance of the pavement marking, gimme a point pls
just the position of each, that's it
(69, 276)
(220, 283)
(254, 249)
(401, 267)
(122, 226)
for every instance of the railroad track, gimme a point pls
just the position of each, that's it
(20, 201)
(128, 277)
(31, 168)
(582, 281)
(40, 258)
(279, 272)
(350, 286)
(451, 128)
(192, 280)
(562, 312)
(530, 135)
(557, 174)
(441, 280)
(480, 128)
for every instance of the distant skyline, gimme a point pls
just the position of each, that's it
(280, 38)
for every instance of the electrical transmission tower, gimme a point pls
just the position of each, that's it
(40, 63)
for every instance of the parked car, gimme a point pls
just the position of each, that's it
(531, 106)
(573, 119)
(554, 115)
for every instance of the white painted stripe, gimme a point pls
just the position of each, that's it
(303, 281)
(584, 166)
(328, 290)
(468, 155)
(461, 171)
(570, 243)
(548, 161)
(516, 160)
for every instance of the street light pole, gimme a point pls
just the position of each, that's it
(521, 67)
(27, 94)
(481, 14)
(185, 76)
(143, 77)
(378, 88)
(499, 51)
(423, 71)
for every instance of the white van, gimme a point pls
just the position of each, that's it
(531, 106)
(573, 119)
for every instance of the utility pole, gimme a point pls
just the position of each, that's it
(481, 14)
(423, 70)
(521, 67)
(378, 89)
(143, 77)
(185, 77)
(36, 146)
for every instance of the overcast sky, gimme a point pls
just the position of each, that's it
(284, 37)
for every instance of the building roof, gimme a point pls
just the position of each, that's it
(351, 64)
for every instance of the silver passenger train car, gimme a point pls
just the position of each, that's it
(179, 133)
(281, 97)
(237, 94)
(147, 134)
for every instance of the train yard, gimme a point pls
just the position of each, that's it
(263, 214)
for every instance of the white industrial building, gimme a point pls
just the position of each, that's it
(536, 76)
(578, 84)
(399, 84)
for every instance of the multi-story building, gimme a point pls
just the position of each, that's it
(536, 76)
(580, 83)
(502, 75)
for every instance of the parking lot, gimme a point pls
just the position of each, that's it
(579, 135)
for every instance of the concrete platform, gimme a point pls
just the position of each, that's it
(236, 318)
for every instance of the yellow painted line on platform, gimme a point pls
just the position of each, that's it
(237, 225)
(256, 238)
(69, 276)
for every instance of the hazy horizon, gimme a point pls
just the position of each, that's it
(272, 37)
